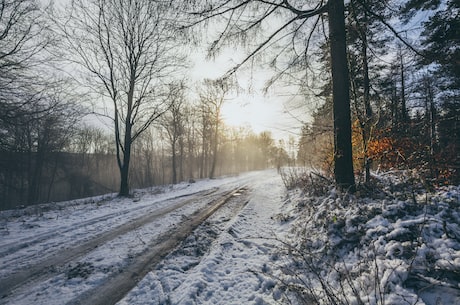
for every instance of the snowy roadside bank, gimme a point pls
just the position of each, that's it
(401, 247)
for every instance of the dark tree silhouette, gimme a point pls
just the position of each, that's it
(295, 21)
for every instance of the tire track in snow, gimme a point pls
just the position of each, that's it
(25, 242)
(116, 287)
(188, 257)
(50, 265)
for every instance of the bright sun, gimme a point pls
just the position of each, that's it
(260, 113)
(252, 111)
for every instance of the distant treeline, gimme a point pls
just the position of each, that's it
(28, 178)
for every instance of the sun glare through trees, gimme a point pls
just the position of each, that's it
(195, 89)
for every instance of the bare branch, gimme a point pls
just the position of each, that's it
(392, 29)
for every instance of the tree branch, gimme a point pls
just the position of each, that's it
(311, 13)
(382, 20)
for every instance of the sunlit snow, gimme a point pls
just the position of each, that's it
(385, 250)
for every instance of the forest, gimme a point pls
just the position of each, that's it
(381, 79)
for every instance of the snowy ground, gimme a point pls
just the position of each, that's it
(224, 261)
(41, 234)
(396, 245)
(264, 246)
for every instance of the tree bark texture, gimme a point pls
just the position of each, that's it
(343, 160)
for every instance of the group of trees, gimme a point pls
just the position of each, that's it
(404, 98)
(251, 22)
(37, 113)
(187, 142)
(369, 59)
(126, 61)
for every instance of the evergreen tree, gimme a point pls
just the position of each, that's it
(440, 40)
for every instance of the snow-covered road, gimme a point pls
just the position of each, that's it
(225, 260)
(66, 252)
(263, 245)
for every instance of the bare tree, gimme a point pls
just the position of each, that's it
(173, 124)
(23, 37)
(191, 140)
(295, 23)
(37, 116)
(213, 98)
(129, 52)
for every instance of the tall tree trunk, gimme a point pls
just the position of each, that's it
(191, 154)
(163, 165)
(215, 145)
(203, 156)
(394, 106)
(128, 141)
(343, 160)
(181, 159)
(214, 152)
(430, 119)
(124, 169)
(174, 161)
(366, 130)
(404, 117)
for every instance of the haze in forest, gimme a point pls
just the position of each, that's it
(110, 96)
